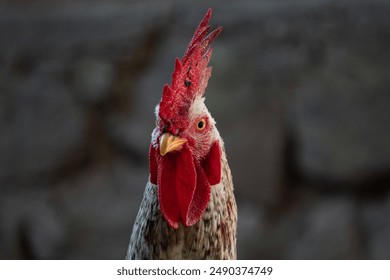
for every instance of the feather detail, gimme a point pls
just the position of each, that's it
(153, 165)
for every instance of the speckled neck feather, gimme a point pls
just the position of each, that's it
(213, 237)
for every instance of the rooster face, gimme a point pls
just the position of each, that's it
(185, 152)
(198, 133)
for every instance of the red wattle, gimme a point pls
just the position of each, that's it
(184, 183)
(200, 198)
(176, 183)
(212, 164)
(186, 179)
(167, 189)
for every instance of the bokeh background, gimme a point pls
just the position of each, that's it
(300, 91)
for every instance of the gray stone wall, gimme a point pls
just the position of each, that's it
(300, 92)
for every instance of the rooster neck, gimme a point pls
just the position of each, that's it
(213, 237)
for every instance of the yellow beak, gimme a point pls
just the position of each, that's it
(169, 143)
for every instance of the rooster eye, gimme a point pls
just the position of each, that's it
(201, 124)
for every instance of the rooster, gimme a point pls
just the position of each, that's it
(188, 209)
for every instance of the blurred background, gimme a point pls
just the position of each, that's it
(300, 91)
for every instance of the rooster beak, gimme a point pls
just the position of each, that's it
(169, 143)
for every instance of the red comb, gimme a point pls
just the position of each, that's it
(191, 73)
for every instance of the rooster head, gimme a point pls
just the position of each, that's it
(185, 153)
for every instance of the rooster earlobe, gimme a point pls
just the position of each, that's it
(212, 164)
(153, 164)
